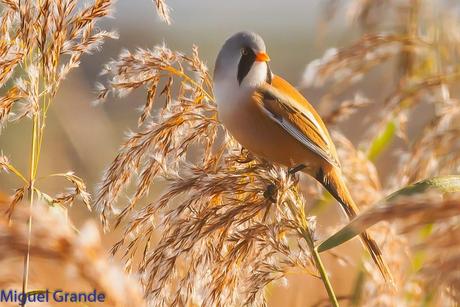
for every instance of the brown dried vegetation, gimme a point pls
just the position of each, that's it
(227, 223)
(213, 208)
(54, 239)
(227, 232)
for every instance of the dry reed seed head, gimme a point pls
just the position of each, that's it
(369, 13)
(440, 249)
(416, 210)
(17, 198)
(407, 217)
(7, 102)
(414, 50)
(4, 162)
(163, 10)
(435, 151)
(347, 108)
(79, 190)
(54, 239)
(442, 264)
(11, 55)
(425, 156)
(347, 65)
(416, 38)
(35, 36)
(221, 230)
(187, 119)
(144, 67)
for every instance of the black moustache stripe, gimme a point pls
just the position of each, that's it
(246, 62)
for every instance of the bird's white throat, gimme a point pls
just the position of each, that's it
(229, 92)
(256, 75)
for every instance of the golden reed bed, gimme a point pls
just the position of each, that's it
(215, 235)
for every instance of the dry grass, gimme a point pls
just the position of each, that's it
(158, 147)
(422, 39)
(227, 232)
(81, 254)
(214, 217)
(227, 224)
(163, 10)
(41, 42)
(45, 39)
(425, 226)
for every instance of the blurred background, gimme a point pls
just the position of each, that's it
(84, 138)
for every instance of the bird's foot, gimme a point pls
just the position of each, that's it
(245, 156)
(271, 192)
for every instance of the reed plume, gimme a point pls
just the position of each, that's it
(163, 10)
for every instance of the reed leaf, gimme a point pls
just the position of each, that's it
(444, 184)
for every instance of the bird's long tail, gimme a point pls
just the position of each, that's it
(333, 182)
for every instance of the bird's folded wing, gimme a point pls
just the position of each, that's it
(289, 109)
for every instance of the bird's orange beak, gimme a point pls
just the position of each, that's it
(262, 57)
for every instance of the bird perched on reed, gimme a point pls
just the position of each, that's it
(269, 117)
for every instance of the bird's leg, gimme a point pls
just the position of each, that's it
(244, 157)
(270, 192)
(295, 169)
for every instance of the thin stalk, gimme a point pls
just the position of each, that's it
(33, 172)
(320, 266)
(306, 235)
(34, 158)
(179, 73)
(15, 171)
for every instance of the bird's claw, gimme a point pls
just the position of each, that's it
(271, 192)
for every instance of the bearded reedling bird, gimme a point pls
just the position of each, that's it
(270, 118)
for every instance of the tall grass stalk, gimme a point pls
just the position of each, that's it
(321, 269)
(25, 277)
(34, 160)
(41, 42)
(307, 235)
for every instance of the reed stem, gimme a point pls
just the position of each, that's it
(306, 235)
(320, 267)
(33, 174)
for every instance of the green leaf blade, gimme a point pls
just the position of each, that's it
(444, 184)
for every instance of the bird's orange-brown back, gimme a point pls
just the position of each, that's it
(285, 87)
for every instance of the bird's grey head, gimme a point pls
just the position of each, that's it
(243, 59)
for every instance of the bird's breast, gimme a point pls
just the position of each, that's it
(257, 132)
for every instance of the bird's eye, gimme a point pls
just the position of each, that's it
(244, 51)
